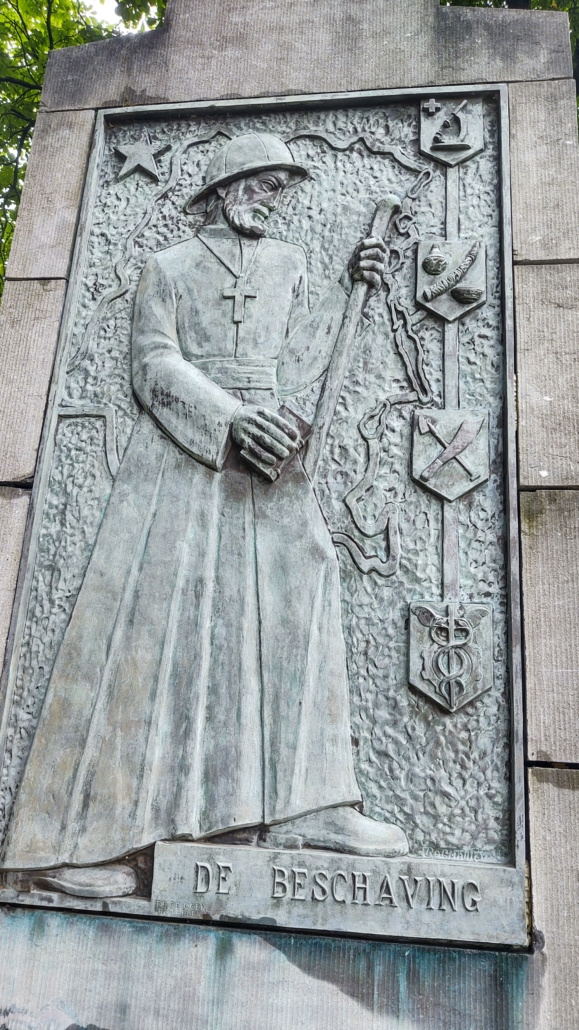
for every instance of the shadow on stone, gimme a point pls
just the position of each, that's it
(423, 988)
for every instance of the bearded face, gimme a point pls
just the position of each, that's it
(248, 203)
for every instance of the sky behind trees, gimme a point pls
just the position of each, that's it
(29, 31)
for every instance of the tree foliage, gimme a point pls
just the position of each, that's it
(30, 29)
(139, 13)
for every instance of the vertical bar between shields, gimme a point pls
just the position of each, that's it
(450, 510)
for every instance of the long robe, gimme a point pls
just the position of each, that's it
(201, 684)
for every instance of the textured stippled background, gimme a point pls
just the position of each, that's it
(444, 778)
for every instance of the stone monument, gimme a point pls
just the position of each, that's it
(263, 685)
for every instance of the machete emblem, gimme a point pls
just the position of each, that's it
(450, 451)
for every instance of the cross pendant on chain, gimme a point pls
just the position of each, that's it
(239, 294)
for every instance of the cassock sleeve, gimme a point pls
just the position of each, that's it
(311, 336)
(189, 407)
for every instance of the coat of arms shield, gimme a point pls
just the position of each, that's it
(450, 450)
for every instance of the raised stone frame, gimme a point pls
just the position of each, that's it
(502, 919)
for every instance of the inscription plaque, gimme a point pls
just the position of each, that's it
(312, 890)
(265, 663)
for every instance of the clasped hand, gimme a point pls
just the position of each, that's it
(264, 433)
(368, 261)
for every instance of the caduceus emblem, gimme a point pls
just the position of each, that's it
(449, 661)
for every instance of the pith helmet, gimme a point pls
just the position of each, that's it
(243, 155)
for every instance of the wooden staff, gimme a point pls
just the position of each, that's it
(341, 354)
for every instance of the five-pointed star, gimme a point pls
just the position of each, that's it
(139, 155)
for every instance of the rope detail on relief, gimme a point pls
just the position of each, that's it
(371, 428)
(379, 151)
(402, 319)
(373, 424)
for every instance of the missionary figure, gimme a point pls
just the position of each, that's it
(201, 688)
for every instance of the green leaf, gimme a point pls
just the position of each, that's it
(29, 30)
